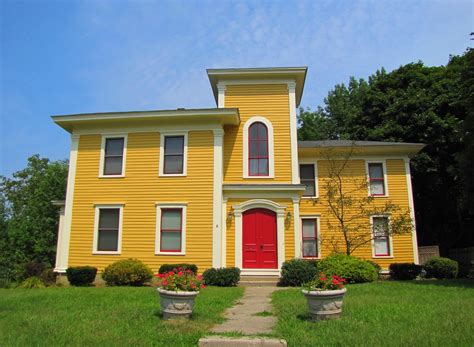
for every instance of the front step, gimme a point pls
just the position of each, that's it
(259, 281)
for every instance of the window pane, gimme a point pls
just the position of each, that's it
(174, 145)
(114, 146)
(377, 188)
(262, 131)
(170, 241)
(309, 248)
(309, 228)
(263, 148)
(381, 246)
(263, 166)
(254, 131)
(171, 219)
(109, 218)
(310, 188)
(108, 240)
(173, 164)
(253, 167)
(380, 225)
(307, 171)
(113, 166)
(375, 170)
(253, 149)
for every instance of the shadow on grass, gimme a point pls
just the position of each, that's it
(456, 283)
(305, 317)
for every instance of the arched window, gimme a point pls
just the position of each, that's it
(258, 150)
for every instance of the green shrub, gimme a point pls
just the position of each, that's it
(223, 277)
(353, 269)
(295, 272)
(48, 276)
(127, 272)
(376, 266)
(404, 271)
(33, 269)
(174, 267)
(81, 275)
(439, 267)
(32, 283)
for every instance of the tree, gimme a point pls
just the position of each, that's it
(415, 103)
(29, 220)
(351, 207)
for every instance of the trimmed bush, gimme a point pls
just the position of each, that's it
(223, 277)
(32, 283)
(439, 267)
(174, 267)
(127, 272)
(295, 272)
(404, 271)
(81, 275)
(353, 269)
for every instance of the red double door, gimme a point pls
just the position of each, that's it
(259, 239)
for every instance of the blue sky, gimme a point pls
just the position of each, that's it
(65, 57)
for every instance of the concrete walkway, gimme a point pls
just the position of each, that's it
(244, 316)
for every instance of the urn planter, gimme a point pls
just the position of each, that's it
(176, 304)
(325, 304)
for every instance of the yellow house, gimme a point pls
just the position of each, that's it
(218, 187)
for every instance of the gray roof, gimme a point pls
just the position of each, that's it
(349, 143)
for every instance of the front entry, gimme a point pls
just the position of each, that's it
(259, 239)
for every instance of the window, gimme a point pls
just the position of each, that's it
(113, 156)
(308, 178)
(258, 150)
(171, 229)
(174, 155)
(381, 238)
(310, 237)
(107, 236)
(376, 179)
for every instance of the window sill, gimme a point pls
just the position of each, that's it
(258, 177)
(382, 257)
(310, 197)
(111, 176)
(170, 253)
(105, 252)
(311, 258)
(172, 175)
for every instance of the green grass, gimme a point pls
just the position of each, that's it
(116, 316)
(386, 313)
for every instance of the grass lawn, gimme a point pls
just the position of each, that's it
(103, 316)
(386, 313)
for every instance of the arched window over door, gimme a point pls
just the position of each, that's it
(258, 150)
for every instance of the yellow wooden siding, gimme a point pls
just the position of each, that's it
(398, 194)
(230, 230)
(139, 191)
(266, 100)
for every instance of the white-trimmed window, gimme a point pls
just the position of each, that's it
(381, 240)
(310, 237)
(108, 229)
(377, 176)
(258, 160)
(171, 229)
(308, 177)
(173, 154)
(113, 153)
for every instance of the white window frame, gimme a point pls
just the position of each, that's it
(385, 177)
(390, 242)
(162, 153)
(159, 207)
(245, 148)
(102, 154)
(96, 228)
(316, 185)
(318, 234)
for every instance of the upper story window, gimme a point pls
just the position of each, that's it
(377, 183)
(113, 156)
(308, 178)
(173, 150)
(258, 150)
(381, 238)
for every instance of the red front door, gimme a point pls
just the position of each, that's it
(259, 239)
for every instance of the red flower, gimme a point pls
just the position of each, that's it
(203, 286)
(171, 273)
(199, 277)
(180, 273)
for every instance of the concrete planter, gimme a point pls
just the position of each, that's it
(325, 304)
(176, 304)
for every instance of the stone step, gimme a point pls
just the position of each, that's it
(216, 341)
(261, 281)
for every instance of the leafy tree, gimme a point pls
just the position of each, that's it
(415, 103)
(28, 219)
